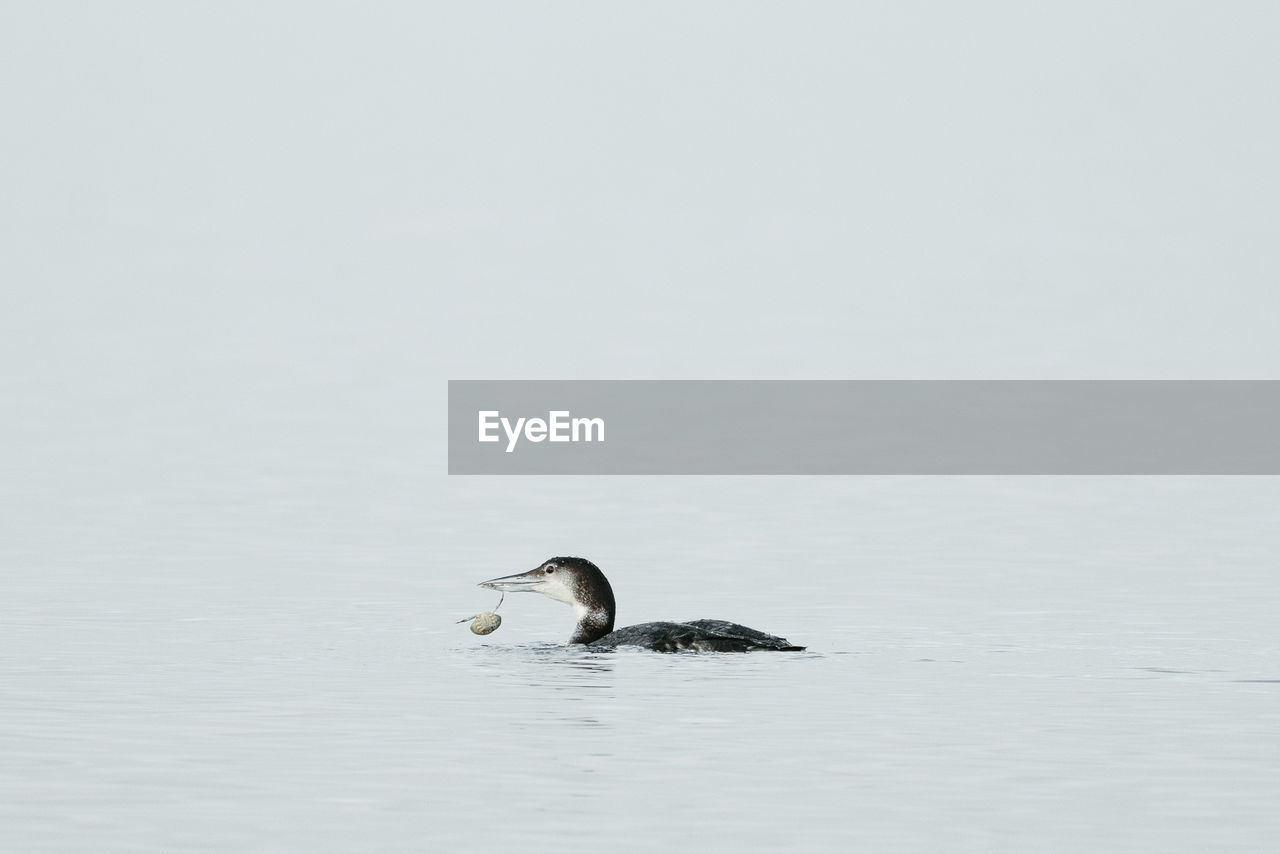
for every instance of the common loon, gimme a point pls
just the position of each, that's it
(579, 582)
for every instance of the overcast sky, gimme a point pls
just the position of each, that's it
(406, 193)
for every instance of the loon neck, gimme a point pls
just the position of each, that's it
(590, 594)
(593, 624)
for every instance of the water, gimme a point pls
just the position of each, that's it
(994, 664)
(242, 254)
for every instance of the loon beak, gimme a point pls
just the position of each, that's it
(525, 582)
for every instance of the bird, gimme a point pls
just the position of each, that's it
(579, 583)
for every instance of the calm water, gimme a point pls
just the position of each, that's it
(222, 662)
(243, 250)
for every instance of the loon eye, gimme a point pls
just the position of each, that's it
(550, 570)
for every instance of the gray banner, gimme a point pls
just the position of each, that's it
(864, 427)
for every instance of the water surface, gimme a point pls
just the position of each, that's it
(1048, 664)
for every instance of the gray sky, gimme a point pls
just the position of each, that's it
(413, 192)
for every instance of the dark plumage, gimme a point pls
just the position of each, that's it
(580, 583)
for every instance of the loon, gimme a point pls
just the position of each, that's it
(579, 582)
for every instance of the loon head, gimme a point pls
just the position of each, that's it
(575, 581)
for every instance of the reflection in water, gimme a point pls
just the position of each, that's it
(563, 668)
(549, 682)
